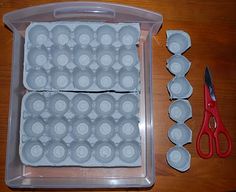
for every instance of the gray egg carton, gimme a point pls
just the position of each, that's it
(81, 56)
(179, 90)
(179, 134)
(178, 42)
(78, 129)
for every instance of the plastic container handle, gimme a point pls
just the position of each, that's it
(83, 12)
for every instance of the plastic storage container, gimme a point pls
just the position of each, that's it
(19, 175)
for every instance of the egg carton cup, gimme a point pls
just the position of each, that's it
(55, 52)
(67, 118)
(179, 88)
(180, 110)
(180, 134)
(178, 41)
(179, 158)
(178, 65)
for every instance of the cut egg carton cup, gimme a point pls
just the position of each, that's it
(77, 129)
(179, 158)
(178, 65)
(180, 110)
(179, 88)
(178, 41)
(180, 134)
(81, 56)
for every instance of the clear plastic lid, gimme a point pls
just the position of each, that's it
(83, 11)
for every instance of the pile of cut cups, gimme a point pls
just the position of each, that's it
(180, 109)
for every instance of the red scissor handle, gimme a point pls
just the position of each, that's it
(205, 130)
(211, 111)
(220, 129)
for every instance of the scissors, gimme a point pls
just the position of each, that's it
(211, 114)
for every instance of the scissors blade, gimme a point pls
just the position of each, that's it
(208, 82)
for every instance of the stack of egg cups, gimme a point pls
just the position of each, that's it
(180, 109)
(82, 107)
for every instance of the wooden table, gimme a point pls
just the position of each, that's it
(212, 27)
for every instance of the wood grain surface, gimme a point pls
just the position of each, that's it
(212, 27)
